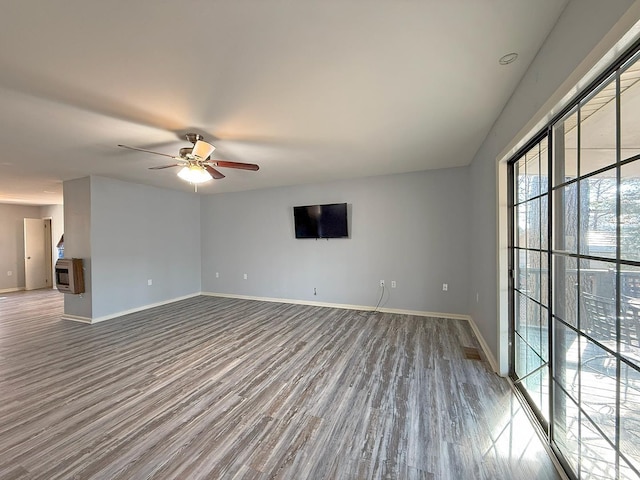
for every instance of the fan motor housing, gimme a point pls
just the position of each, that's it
(194, 137)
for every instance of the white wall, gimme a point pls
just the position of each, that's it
(579, 29)
(411, 228)
(12, 244)
(12, 239)
(140, 233)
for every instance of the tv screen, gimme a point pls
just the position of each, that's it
(321, 221)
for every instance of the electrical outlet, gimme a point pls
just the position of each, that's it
(393, 284)
(477, 297)
(149, 282)
(314, 291)
(445, 287)
(382, 283)
(217, 274)
(245, 276)
(9, 273)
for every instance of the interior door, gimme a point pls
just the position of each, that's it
(35, 257)
(48, 252)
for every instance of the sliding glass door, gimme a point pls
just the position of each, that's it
(575, 284)
(530, 333)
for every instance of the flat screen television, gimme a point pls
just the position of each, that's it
(321, 221)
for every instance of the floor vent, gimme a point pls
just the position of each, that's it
(471, 353)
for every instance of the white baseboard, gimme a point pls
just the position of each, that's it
(485, 347)
(77, 318)
(9, 290)
(453, 316)
(366, 308)
(420, 313)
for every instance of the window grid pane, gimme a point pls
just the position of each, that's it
(585, 193)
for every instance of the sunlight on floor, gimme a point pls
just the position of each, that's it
(514, 439)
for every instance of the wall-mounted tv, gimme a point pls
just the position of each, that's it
(321, 221)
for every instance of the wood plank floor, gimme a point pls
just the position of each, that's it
(223, 388)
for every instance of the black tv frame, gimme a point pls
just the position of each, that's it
(308, 222)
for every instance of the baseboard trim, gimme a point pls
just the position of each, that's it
(345, 306)
(485, 347)
(10, 290)
(419, 313)
(77, 318)
(144, 307)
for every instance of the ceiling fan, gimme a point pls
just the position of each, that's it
(197, 166)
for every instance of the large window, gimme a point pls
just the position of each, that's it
(575, 283)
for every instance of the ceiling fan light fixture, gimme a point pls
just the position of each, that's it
(202, 149)
(196, 165)
(194, 174)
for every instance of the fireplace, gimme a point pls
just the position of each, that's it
(69, 275)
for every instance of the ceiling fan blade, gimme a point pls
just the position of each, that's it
(242, 166)
(147, 151)
(165, 166)
(213, 172)
(202, 149)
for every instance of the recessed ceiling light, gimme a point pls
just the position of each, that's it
(48, 191)
(508, 58)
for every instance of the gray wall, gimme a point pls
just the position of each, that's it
(12, 244)
(411, 228)
(140, 233)
(581, 26)
(77, 240)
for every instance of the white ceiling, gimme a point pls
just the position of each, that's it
(310, 90)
